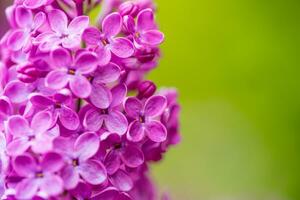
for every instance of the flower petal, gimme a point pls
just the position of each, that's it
(109, 193)
(78, 24)
(86, 145)
(61, 58)
(52, 185)
(116, 122)
(52, 162)
(70, 177)
(23, 17)
(40, 100)
(122, 47)
(58, 21)
(91, 36)
(18, 146)
(122, 181)
(145, 20)
(27, 188)
(69, 118)
(18, 126)
(86, 62)
(38, 20)
(24, 165)
(133, 107)
(100, 96)
(5, 106)
(16, 91)
(93, 120)
(80, 86)
(92, 172)
(107, 74)
(17, 39)
(57, 79)
(118, 95)
(152, 37)
(132, 156)
(104, 55)
(32, 4)
(41, 121)
(112, 162)
(112, 24)
(136, 131)
(156, 131)
(155, 105)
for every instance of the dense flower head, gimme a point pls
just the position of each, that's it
(78, 120)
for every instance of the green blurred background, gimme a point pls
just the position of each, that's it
(236, 66)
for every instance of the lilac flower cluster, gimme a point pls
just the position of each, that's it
(78, 120)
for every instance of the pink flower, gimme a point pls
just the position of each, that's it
(38, 175)
(106, 41)
(72, 70)
(60, 33)
(144, 122)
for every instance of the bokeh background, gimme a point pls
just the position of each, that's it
(236, 66)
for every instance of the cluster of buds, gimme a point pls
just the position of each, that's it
(78, 120)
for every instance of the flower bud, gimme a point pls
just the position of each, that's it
(129, 8)
(146, 89)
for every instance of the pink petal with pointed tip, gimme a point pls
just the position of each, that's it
(24, 165)
(145, 20)
(52, 162)
(136, 131)
(122, 47)
(92, 172)
(132, 156)
(116, 122)
(70, 177)
(93, 120)
(58, 21)
(86, 62)
(155, 105)
(18, 146)
(118, 95)
(152, 37)
(156, 131)
(27, 188)
(16, 91)
(61, 58)
(100, 96)
(107, 74)
(133, 107)
(57, 79)
(122, 181)
(80, 86)
(41, 121)
(91, 36)
(78, 24)
(18, 126)
(23, 17)
(86, 145)
(52, 185)
(69, 118)
(112, 24)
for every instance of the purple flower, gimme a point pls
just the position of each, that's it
(105, 110)
(58, 107)
(79, 155)
(144, 31)
(144, 119)
(38, 175)
(72, 71)
(38, 135)
(69, 36)
(28, 24)
(106, 41)
(6, 110)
